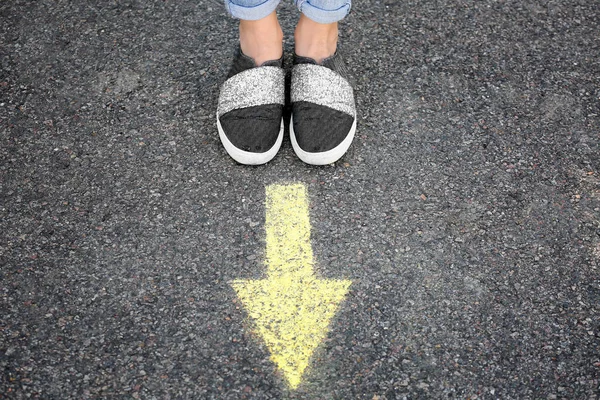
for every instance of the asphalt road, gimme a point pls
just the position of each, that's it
(466, 213)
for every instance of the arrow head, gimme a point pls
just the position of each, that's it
(292, 316)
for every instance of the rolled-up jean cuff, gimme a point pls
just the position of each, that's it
(320, 15)
(251, 13)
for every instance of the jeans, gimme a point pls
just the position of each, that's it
(321, 11)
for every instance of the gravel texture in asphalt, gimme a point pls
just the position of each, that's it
(466, 213)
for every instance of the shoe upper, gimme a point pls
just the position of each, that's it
(250, 105)
(323, 104)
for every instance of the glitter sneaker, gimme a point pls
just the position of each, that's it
(250, 110)
(323, 120)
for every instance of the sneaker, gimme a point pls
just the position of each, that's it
(323, 120)
(250, 110)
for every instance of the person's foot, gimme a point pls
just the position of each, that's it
(250, 108)
(262, 40)
(315, 40)
(323, 120)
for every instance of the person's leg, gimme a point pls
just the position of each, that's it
(316, 34)
(251, 100)
(323, 120)
(261, 37)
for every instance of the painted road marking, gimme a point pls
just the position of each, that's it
(292, 308)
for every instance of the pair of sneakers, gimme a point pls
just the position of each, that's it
(251, 103)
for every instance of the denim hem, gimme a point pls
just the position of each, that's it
(323, 16)
(251, 13)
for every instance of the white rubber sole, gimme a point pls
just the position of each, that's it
(248, 157)
(325, 157)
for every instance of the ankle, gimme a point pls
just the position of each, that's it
(315, 40)
(262, 40)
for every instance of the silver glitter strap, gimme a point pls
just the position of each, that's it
(252, 87)
(320, 85)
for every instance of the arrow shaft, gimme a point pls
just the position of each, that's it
(288, 253)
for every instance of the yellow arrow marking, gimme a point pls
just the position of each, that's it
(291, 308)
